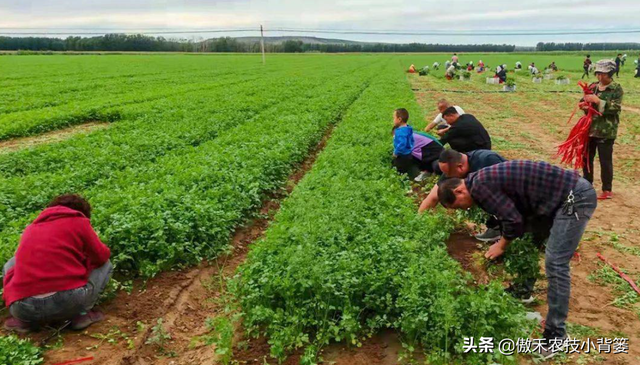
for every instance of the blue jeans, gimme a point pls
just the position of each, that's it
(566, 233)
(63, 305)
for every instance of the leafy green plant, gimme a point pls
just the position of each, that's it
(328, 267)
(466, 75)
(521, 260)
(510, 83)
(159, 338)
(15, 351)
(221, 331)
(561, 77)
(173, 178)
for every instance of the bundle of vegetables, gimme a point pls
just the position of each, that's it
(574, 150)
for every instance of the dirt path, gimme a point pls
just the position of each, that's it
(50, 137)
(532, 128)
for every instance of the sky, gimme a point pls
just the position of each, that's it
(370, 15)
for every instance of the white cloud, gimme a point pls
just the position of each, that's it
(403, 15)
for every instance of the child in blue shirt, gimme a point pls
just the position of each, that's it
(403, 144)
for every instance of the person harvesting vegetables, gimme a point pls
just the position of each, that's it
(452, 163)
(59, 269)
(439, 122)
(607, 100)
(450, 72)
(516, 190)
(465, 133)
(425, 152)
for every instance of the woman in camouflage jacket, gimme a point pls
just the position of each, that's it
(607, 99)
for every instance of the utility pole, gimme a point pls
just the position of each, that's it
(262, 44)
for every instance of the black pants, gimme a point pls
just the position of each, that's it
(406, 164)
(585, 73)
(618, 71)
(604, 147)
(637, 72)
(430, 155)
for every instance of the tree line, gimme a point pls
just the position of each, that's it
(142, 43)
(541, 47)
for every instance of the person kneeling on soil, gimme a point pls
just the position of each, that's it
(439, 122)
(501, 73)
(465, 133)
(59, 269)
(451, 72)
(454, 164)
(425, 152)
(516, 190)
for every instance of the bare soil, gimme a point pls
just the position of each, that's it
(51, 137)
(533, 128)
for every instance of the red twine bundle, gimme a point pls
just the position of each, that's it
(575, 149)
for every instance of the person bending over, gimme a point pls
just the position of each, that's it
(452, 163)
(59, 269)
(515, 190)
(465, 133)
(439, 122)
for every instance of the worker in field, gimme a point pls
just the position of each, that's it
(451, 72)
(501, 73)
(607, 99)
(452, 163)
(465, 133)
(59, 269)
(446, 65)
(518, 65)
(439, 122)
(414, 154)
(515, 191)
(481, 66)
(436, 66)
(412, 69)
(553, 66)
(454, 58)
(586, 66)
(637, 67)
(618, 62)
(425, 152)
(533, 70)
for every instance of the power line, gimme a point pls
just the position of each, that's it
(432, 33)
(134, 32)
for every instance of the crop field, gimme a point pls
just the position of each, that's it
(254, 217)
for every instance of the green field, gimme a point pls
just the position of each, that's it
(194, 144)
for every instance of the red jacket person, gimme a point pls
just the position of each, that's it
(59, 269)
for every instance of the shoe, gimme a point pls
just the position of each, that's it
(551, 347)
(422, 176)
(85, 320)
(489, 235)
(605, 195)
(525, 297)
(16, 325)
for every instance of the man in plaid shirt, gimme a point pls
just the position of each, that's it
(515, 191)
